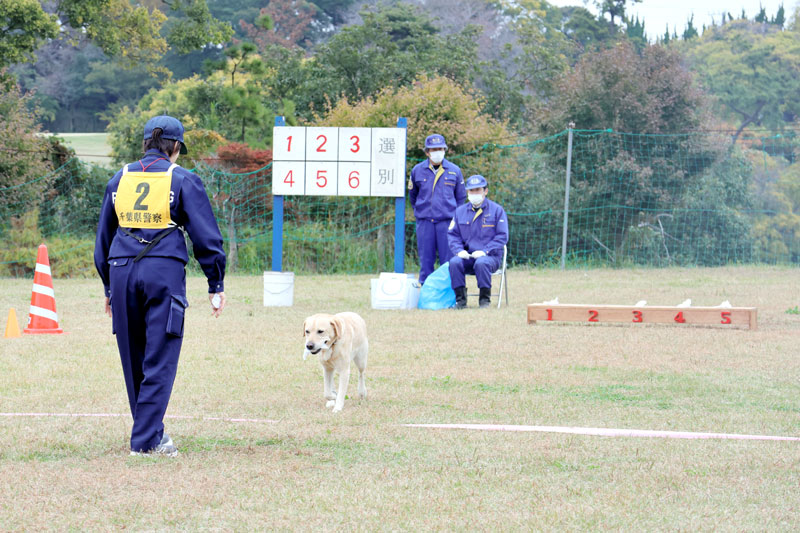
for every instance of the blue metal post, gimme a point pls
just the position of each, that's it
(400, 216)
(277, 220)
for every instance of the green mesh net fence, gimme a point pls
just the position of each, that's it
(691, 199)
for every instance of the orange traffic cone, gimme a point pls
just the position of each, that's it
(43, 317)
(12, 328)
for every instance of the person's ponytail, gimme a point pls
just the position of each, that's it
(156, 142)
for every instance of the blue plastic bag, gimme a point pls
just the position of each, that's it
(436, 292)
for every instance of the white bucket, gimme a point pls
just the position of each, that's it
(278, 289)
(394, 291)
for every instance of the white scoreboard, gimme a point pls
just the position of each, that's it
(338, 161)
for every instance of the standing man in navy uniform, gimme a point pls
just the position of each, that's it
(140, 253)
(477, 234)
(436, 188)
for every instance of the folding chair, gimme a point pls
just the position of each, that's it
(501, 271)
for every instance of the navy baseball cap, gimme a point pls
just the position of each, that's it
(435, 141)
(476, 182)
(171, 128)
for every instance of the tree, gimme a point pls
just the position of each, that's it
(282, 22)
(620, 90)
(128, 33)
(391, 48)
(194, 27)
(780, 18)
(614, 8)
(174, 98)
(690, 32)
(23, 25)
(24, 156)
(753, 70)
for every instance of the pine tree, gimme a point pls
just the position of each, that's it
(690, 32)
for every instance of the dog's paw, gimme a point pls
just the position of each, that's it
(337, 408)
(331, 403)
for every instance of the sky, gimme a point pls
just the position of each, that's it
(658, 14)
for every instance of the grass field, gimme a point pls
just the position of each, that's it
(89, 147)
(362, 470)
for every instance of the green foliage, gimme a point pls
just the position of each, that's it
(777, 195)
(197, 28)
(69, 256)
(436, 104)
(393, 46)
(621, 89)
(71, 204)
(126, 124)
(752, 70)
(242, 101)
(23, 154)
(614, 8)
(23, 25)
(129, 33)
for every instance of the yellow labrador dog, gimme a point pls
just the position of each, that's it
(337, 339)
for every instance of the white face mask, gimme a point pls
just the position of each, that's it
(475, 199)
(437, 156)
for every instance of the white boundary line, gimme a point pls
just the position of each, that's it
(118, 415)
(600, 432)
(604, 432)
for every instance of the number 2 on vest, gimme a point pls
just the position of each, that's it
(143, 188)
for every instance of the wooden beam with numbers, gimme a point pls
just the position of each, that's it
(722, 316)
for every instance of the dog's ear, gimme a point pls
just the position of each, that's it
(304, 327)
(338, 327)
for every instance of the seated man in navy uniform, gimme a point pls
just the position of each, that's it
(477, 234)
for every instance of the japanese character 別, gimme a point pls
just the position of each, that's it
(385, 175)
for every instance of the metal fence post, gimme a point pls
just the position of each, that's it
(566, 197)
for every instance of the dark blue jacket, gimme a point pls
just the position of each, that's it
(189, 209)
(440, 203)
(487, 232)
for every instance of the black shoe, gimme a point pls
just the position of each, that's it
(485, 298)
(461, 297)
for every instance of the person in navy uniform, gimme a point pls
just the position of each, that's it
(477, 235)
(436, 188)
(140, 254)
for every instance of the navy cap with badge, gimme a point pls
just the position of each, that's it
(476, 182)
(435, 141)
(171, 128)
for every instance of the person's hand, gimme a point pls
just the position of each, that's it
(478, 253)
(108, 306)
(463, 254)
(217, 310)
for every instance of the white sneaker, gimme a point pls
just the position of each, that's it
(166, 448)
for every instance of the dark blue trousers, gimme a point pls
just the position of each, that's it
(482, 268)
(431, 238)
(148, 301)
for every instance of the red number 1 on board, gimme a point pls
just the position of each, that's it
(289, 148)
